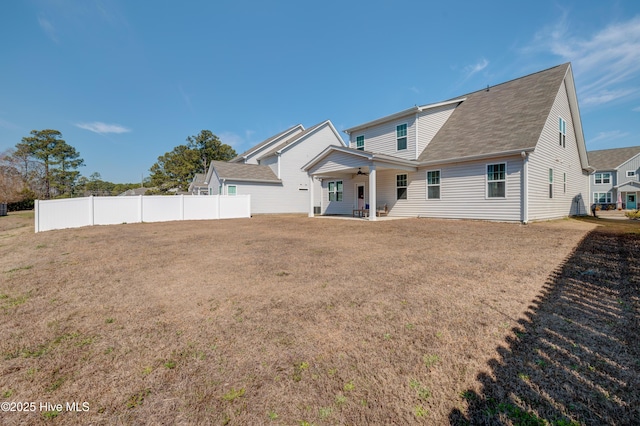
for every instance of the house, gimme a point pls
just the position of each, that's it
(511, 152)
(134, 192)
(199, 185)
(271, 172)
(616, 177)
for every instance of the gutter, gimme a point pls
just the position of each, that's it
(478, 157)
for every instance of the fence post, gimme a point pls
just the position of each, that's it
(181, 206)
(37, 215)
(218, 205)
(92, 217)
(140, 209)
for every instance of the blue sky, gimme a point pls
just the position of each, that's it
(126, 81)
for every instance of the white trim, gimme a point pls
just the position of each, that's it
(486, 180)
(415, 123)
(525, 189)
(633, 173)
(363, 142)
(355, 195)
(477, 157)
(439, 185)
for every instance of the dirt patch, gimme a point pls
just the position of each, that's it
(279, 320)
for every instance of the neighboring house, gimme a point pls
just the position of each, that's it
(616, 177)
(199, 186)
(271, 172)
(510, 152)
(134, 192)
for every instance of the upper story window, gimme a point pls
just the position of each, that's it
(603, 178)
(433, 184)
(401, 187)
(631, 173)
(496, 180)
(550, 183)
(360, 142)
(562, 131)
(401, 137)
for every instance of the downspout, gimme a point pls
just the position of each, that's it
(223, 190)
(279, 166)
(417, 138)
(525, 187)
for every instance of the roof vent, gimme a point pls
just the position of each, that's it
(487, 87)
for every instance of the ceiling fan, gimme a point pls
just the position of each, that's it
(361, 173)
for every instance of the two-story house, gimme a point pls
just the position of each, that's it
(511, 152)
(616, 178)
(271, 171)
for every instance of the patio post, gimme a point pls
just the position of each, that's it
(372, 192)
(311, 196)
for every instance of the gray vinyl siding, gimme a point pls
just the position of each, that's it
(272, 162)
(549, 154)
(264, 196)
(632, 164)
(253, 157)
(382, 138)
(463, 192)
(336, 161)
(429, 123)
(343, 207)
(603, 187)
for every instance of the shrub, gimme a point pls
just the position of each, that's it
(633, 214)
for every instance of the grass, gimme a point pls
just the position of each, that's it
(291, 320)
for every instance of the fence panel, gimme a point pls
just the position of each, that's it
(198, 207)
(161, 208)
(233, 206)
(60, 214)
(116, 210)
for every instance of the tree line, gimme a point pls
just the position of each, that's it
(44, 166)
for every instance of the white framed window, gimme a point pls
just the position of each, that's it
(401, 187)
(564, 182)
(433, 185)
(603, 178)
(231, 190)
(360, 142)
(550, 183)
(562, 131)
(602, 197)
(401, 137)
(335, 190)
(631, 173)
(497, 180)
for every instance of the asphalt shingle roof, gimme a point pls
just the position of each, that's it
(506, 117)
(239, 171)
(609, 159)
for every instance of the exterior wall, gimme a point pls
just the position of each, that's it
(336, 162)
(429, 123)
(549, 154)
(265, 197)
(347, 204)
(632, 164)
(382, 138)
(463, 192)
(272, 162)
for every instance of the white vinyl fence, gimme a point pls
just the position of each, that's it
(77, 212)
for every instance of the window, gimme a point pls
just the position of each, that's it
(496, 180)
(562, 131)
(401, 137)
(231, 190)
(564, 181)
(335, 190)
(401, 187)
(603, 178)
(550, 183)
(602, 197)
(631, 173)
(360, 143)
(433, 184)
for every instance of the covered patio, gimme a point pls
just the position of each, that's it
(628, 195)
(353, 173)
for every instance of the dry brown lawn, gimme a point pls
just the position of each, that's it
(295, 321)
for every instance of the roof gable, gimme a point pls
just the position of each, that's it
(504, 118)
(267, 142)
(611, 159)
(298, 137)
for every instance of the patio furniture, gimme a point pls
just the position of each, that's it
(382, 211)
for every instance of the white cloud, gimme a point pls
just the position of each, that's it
(608, 136)
(605, 63)
(235, 140)
(48, 28)
(472, 69)
(414, 89)
(636, 109)
(101, 128)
